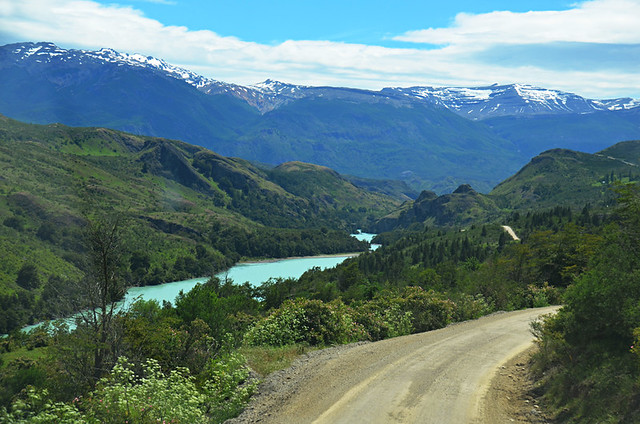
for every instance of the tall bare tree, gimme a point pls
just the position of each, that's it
(91, 349)
(103, 287)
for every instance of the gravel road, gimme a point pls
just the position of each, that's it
(512, 233)
(440, 376)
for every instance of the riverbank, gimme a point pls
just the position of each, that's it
(272, 260)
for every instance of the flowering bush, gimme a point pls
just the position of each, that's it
(306, 321)
(150, 398)
(36, 408)
(228, 386)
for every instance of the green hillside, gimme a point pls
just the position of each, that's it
(628, 151)
(567, 178)
(462, 207)
(188, 211)
(555, 178)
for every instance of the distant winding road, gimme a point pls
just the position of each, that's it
(512, 233)
(439, 377)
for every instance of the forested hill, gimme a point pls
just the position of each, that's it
(188, 211)
(557, 177)
(570, 178)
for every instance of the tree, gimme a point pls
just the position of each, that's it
(28, 277)
(91, 350)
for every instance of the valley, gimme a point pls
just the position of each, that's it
(121, 172)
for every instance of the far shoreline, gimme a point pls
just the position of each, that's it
(327, 255)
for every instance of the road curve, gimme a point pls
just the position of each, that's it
(512, 233)
(439, 376)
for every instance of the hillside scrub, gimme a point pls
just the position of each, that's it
(589, 357)
(175, 369)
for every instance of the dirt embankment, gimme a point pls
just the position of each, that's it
(512, 395)
(451, 375)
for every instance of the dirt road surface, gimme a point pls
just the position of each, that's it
(512, 233)
(440, 376)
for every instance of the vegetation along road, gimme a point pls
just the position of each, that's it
(439, 376)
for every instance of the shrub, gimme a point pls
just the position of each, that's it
(429, 310)
(306, 321)
(228, 386)
(28, 277)
(383, 317)
(149, 398)
(471, 307)
(541, 296)
(36, 408)
(370, 317)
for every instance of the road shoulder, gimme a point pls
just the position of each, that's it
(512, 395)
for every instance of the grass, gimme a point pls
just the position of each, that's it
(267, 359)
(30, 354)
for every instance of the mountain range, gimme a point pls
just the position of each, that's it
(420, 135)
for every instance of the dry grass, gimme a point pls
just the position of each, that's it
(266, 359)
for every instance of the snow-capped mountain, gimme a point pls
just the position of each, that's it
(475, 103)
(511, 100)
(618, 104)
(415, 133)
(265, 96)
(50, 53)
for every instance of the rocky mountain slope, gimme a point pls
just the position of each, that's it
(511, 100)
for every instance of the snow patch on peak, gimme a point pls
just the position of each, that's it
(29, 49)
(449, 93)
(270, 86)
(48, 52)
(502, 100)
(529, 92)
(618, 104)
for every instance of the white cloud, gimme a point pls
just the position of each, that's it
(87, 24)
(597, 21)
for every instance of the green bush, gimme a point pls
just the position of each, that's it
(228, 386)
(587, 358)
(19, 374)
(471, 307)
(383, 317)
(148, 398)
(545, 295)
(306, 321)
(37, 408)
(429, 310)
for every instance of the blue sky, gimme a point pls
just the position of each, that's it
(355, 21)
(589, 47)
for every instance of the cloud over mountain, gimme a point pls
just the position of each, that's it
(544, 48)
